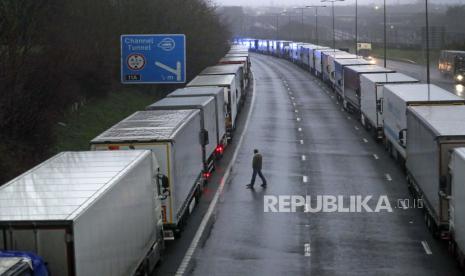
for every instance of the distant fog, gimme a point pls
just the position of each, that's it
(313, 2)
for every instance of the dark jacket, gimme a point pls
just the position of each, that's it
(257, 161)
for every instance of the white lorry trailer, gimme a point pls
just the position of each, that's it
(433, 132)
(338, 80)
(86, 213)
(231, 69)
(371, 98)
(231, 94)
(457, 204)
(173, 136)
(207, 107)
(218, 94)
(397, 98)
(351, 85)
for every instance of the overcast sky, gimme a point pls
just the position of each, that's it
(310, 2)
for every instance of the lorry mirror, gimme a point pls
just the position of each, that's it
(403, 138)
(379, 106)
(204, 137)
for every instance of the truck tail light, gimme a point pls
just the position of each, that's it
(113, 147)
(219, 149)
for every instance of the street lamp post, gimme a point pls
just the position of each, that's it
(334, 29)
(428, 80)
(316, 20)
(385, 35)
(356, 27)
(302, 21)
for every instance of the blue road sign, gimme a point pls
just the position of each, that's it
(153, 58)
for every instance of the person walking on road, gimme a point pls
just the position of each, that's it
(257, 169)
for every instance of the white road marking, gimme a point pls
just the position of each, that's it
(300, 129)
(375, 156)
(305, 179)
(298, 119)
(365, 140)
(426, 248)
(301, 142)
(296, 111)
(388, 177)
(348, 117)
(307, 250)
(304, 157)
(293, 104)
(402, 203)
(183, 267)
(292, 98)
(356, 128)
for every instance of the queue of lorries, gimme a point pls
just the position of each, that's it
(109, 210)
(422, 126)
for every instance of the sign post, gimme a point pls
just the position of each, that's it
(153, 59)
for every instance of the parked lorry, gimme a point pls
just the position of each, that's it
(371, 98)
(86, 213)
(339, 65)
(328, 64)
(433, 132)
(351, 98)
(245, 61)
(207, 108)
(457, 204)
(318, 60)
(452, 64)
(397, 98)
(16, 263)
(218, 94)
(231, 93)
(231, 69)
(173, 136)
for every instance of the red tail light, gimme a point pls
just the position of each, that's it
(219, 149)
(113, 147)
(206, 175)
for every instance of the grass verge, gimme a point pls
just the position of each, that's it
(97, 115)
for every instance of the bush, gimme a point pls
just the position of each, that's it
(54, 53)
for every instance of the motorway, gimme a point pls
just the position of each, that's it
(419, 72)
(311, 147)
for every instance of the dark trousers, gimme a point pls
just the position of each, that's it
(254, 175)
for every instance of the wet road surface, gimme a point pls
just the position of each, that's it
(419, 72)
(311, 147)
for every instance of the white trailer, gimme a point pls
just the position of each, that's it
(245, 61)
(312, 57)
(173, 136)
(218, 94)
(318, 59)
(351, 85)
(397, 98)
(86, 213)
(231, 93)
(207, 107)
(433, 132)
(328, 64)
(371, 98)
(237, 70)
(339, 65)
(457, 204)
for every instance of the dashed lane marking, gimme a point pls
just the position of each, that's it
(307, 250)
(426, 248)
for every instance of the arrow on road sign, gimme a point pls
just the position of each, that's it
(176, 71)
